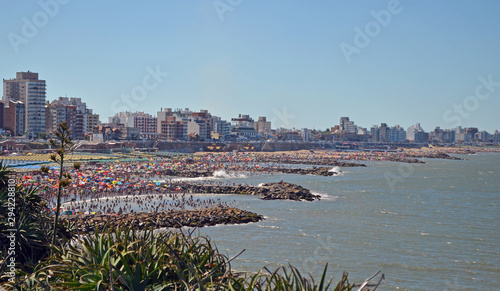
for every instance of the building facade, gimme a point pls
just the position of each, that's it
(27, 88)
(262, 125)
(347, 126)
(15, 118)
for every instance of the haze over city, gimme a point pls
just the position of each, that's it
(399, 62)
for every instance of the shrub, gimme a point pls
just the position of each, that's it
(127, 259)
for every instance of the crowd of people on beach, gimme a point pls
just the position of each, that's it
(153, 203)
(143, 186)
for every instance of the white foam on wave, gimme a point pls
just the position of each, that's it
(270, 226)
(326, 197)
(192, 179)
(222, 174)
(336, 171)
(306, 234)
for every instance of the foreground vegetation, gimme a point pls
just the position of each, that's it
(127, 259)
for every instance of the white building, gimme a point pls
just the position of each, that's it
(347, 126)
(197, 127)
(306, 135)
(397, 134)
(146, 123)
(222, 127)
(412, 131)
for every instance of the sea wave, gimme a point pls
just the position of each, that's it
(326, 197)
(270, 226)
(222, 174)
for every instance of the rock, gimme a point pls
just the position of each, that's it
(267, 191)
(178, 218)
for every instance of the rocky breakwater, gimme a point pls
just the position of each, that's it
(443, 156)
(403, 160)
(186, 173)
(269, 191)
(174, 218)
(318, 171)
(288, 191)
(319, 162)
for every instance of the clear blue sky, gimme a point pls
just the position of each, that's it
(280, 59)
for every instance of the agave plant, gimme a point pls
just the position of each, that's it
(5, 174)
(33, 231)
(126, 259)
(286, 278)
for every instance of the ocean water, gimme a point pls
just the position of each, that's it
(432, 226)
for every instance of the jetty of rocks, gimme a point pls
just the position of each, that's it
(167, 219)
(318, 171)
(443, 156)
(318, 162)
(269, 191)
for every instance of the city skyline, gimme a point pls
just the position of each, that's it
(82, 113)
(300, 65)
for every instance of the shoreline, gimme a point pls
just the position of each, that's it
(95, 181)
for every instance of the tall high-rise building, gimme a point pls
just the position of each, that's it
(412, 132)
(375, 133)
(57, 112)
(200, 124)
(92, 120)
(31, 91)
(221, 127)
(2, 108)
(75, 112)
(347, 126)
(15, 117)
(384, 133)
(146, 123)
(397, 134)
(262, 125)
(172, 125)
